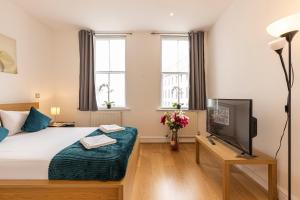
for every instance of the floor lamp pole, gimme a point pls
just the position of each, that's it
(290, 126)
(289, 37)
(286, 28)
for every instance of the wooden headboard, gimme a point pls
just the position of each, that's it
(19, 106)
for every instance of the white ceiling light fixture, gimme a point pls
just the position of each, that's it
(171, 14)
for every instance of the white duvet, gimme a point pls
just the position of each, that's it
(28, 155)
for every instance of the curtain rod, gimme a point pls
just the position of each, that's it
(175, 34)
(99, 33)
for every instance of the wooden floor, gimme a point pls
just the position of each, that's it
(166, 175)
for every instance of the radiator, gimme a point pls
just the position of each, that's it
(103, 117)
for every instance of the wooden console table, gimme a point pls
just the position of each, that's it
(229, 157)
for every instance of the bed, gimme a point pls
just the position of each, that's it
(25, 175)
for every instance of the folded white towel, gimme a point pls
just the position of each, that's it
(111, 128)
(97, 141)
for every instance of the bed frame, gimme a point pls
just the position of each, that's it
(64, 189)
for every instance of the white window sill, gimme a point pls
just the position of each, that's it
(114, 109)
(170, 109)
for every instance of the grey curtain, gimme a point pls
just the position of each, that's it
(197, 92)
(87, 94)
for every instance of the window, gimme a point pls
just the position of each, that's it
(175, 71)
(110, 70)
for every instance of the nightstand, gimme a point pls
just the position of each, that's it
(62, 124)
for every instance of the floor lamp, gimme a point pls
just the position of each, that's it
(285, 29)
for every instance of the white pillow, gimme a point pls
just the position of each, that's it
(13, 120)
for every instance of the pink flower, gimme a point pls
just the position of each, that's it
(175, 120)
(163, 119)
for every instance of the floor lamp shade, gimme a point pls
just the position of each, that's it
(284, 25)
(277, 44)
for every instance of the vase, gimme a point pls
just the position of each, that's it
(178, 106)
(174, 140)
(108, 106)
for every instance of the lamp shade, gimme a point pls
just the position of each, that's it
(277, 44)
(284, 25)
(55, 111)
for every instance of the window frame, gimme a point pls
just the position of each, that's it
(109, 37)
(171, 37)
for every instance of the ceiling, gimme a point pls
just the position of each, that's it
(126, 15)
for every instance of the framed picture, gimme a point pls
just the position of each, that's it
(8, 55)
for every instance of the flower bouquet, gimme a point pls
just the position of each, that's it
(175, 121)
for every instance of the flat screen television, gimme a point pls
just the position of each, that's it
(231, 120)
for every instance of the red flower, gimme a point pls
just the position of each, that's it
(163, 119)
(176, 120)
(183, 121)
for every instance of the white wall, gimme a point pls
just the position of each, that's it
(48, 63)
(241, 65)
(34, 58)
(143, 83)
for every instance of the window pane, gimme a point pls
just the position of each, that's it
(169, 94)
(117, 84)
(175, 61)
(117, 54)
(183, 56)
(184, 85)
(168, 82)
(110, 57)
(102, 55)
(101, 96)
(169, 55)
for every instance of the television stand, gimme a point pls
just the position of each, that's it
(229, 158)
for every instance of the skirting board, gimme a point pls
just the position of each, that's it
(162, 139)
(282, 193)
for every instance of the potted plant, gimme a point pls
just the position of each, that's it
(175, 121)
(178, 91)
(177, 105)
(108, 103)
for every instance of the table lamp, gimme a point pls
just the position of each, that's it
(55, 111)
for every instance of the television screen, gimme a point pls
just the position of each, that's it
(230, 120)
